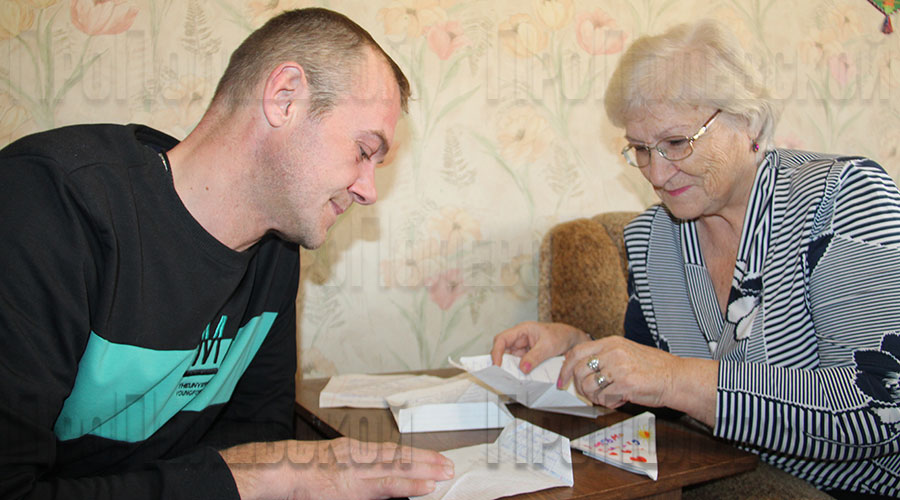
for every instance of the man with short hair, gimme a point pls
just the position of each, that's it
(147, 322)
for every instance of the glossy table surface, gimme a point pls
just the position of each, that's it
(686, 456)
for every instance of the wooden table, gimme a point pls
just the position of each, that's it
(685, 456)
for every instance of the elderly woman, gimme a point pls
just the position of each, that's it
(764, 290)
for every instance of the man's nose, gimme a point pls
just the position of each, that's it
(363, 189)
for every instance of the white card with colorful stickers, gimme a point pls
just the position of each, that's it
(629, 444)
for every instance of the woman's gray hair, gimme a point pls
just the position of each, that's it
(699, 64)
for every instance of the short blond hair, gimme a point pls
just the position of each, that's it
(329, 46)
(699, 64)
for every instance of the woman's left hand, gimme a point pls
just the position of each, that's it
(629, 372)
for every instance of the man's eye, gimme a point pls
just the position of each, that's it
(363, 155)
(676, 141)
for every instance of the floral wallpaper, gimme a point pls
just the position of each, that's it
(505, 136)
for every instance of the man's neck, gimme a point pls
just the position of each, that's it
(208, 167)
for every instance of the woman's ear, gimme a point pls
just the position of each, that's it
(747, 126)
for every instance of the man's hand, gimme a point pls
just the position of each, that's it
(338, 469)
(535, 342)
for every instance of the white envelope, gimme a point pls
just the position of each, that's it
(629, 444)
(536, 390)
(522, 459)
(457, 404)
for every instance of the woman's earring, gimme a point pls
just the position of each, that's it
(755, 146)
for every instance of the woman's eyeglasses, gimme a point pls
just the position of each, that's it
(677, 147)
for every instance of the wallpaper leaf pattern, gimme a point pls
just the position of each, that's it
(505, 136)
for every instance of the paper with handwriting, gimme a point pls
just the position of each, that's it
(629, 444)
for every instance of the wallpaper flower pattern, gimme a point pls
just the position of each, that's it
(505, 135)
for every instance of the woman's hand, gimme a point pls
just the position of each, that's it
(647, 376)
(534, 342)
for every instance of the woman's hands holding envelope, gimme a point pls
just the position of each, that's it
(613, 370)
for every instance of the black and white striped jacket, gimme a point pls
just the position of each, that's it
(809, 347)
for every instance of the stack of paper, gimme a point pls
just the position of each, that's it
(535, 390)
(456, 404)
(420, 403)
(369, 391)
(629, 444)
(524, 458)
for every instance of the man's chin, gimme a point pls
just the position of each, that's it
(310, 244)
(304, 240)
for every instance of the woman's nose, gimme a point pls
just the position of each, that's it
(659, 170)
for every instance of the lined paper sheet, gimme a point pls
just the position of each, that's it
(522, 459)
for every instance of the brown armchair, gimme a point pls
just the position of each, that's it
(583, 282)
(584, 272)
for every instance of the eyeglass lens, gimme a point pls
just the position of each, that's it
(672, 148)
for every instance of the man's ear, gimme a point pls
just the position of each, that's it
(286, 94)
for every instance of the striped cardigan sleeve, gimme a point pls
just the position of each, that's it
(848, 407)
